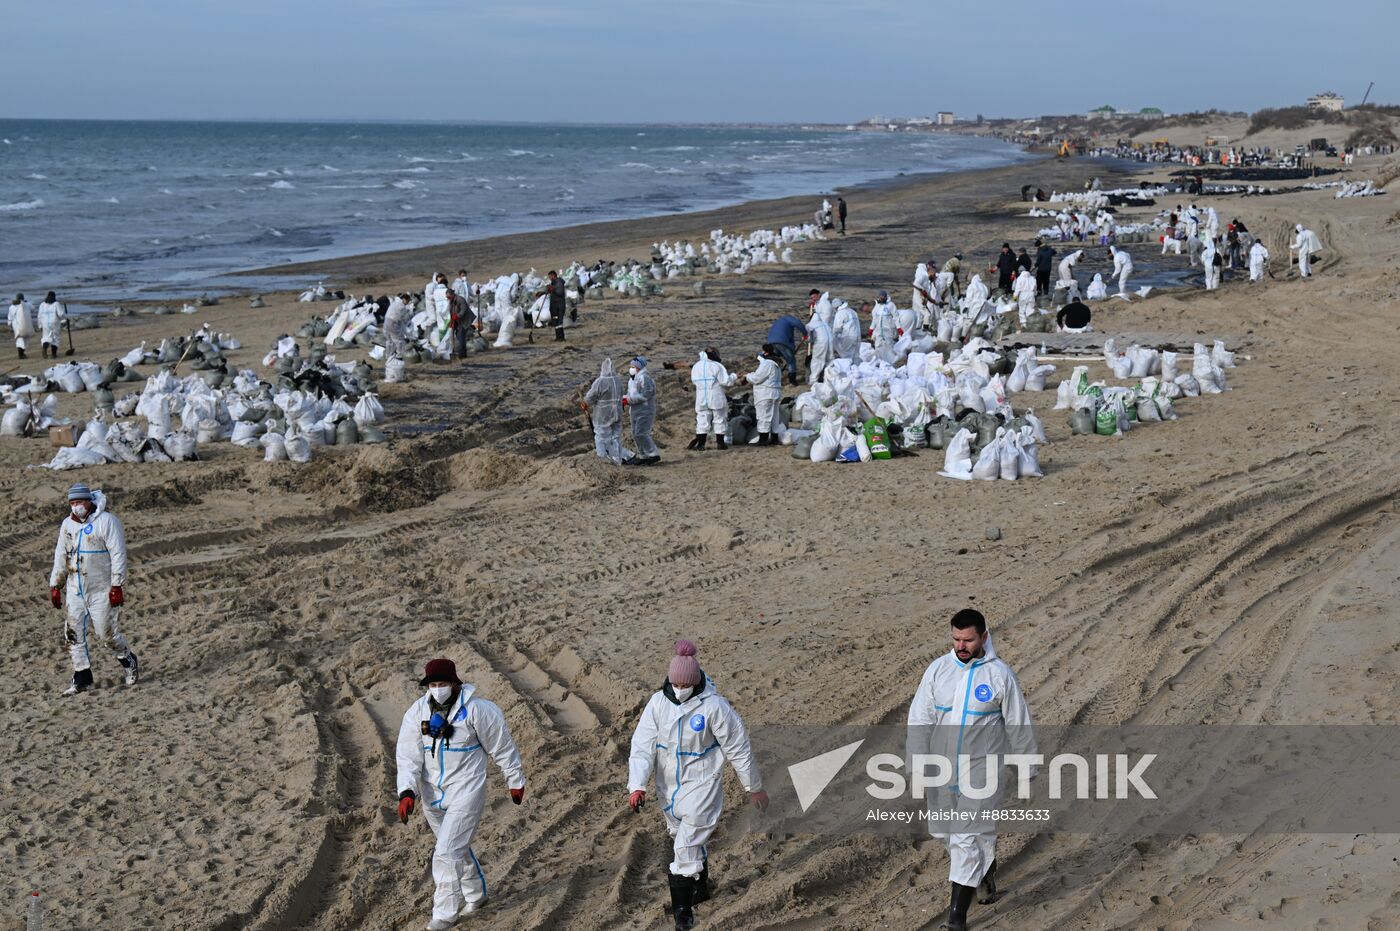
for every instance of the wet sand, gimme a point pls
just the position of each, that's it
(1181, 574)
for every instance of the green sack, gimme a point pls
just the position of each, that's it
(877, 438)
(1106, 421)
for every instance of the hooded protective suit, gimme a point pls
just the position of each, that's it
(975, 298)
(641, 408)
(21, 324)
(449, 779)
(91, 556)
(684, 746)
(923, 285)
(1258, 255)
(1067, 265)
(51, 317)
(711, 403)
(819, 339)
(1097, 289)
(1122, 268)
(1024, 289)
(1306, 243)
(884, 330)
(604, 400)
(396, 327)
(845, 333)
(1212, 273)
(973, 709)
(767, 381)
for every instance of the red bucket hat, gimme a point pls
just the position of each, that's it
(440, 670)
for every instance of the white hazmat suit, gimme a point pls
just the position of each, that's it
(641, 409)
(449, 779)
(820, 348)
(91, 556)
(21, 324)
(604, 399)
(1305, 243)
(51, 317)
(684, 745)
(1122, 267)
(1258, 256)
(884, 330)
(711, 403)
(974, 709)
(845, 332)
(767, 381)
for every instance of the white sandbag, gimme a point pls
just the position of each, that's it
(1016, 381)
(863, 448)
(1029, 454)
(369, 410)
(274, 446)
(75, 457)
(245, 434)
(91, 374)
(395, 370)
(1221, 356)
(15, 420)
(1037, 428)
(298, 448)
(1147, 409)
(1035, 381)
(1010, 459)
(70, 379)
(180, 446)
(988, 465)
(957, 456)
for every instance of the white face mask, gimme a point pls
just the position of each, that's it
(81, 512)
(440, 693)
(683, 693)
(633, 371)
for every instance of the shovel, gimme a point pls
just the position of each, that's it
(68, 328)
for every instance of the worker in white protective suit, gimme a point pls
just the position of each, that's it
(820, 345)
(91, 557)
(1258, 258)
(922, 299)
(1305, 244)
(845, 333)
(767, 382)
(603, 401)
(710, 378)
(685, 734)
(1211, 270)
(1067, 267)
(52, 314)
(969, 704)
(641, 409)
(21, 323)
(1024, 289)
(1122, 267)
(884, 327)
(396, 327)
(444, 742)
(975, 300)
(1097, 290)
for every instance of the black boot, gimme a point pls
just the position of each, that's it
(957, 908)
(698, 442)
(558, 334)
(82, 681)
(21, 353)
(988, 888)
(765, 439)
(702, 885)
(719, 441)
(682, 898)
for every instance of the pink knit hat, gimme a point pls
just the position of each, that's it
(684, 669)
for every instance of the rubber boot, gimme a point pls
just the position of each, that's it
(765, 439)
(698, 442)
(682, 898)
(82, 681)
(702, 885)
(957, 908)
(988, 887)
(21, 353)
(719, 441)
(559, 334)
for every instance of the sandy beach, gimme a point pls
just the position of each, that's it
(1237, 566)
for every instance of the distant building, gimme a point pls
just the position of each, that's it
(1150, 113)
(1102, 113)
(918, 121)
(1326, 101)
(944, 118)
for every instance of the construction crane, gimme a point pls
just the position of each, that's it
(1367, 94)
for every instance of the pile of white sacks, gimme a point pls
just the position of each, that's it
(25, 414)
(1106, 410)
(173, 416)
(919, 390)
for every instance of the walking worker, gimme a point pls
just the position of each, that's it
(52, 315)
(21, 323)
(91, 557)
(444, 742)
(841, 213)
(1305, 243)
(686, 732)
(558, 304)
(640, 402)
(969, 707)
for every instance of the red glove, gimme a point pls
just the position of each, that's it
(517, 795)
(405, 807)
(56, 597)
(624, 402)
(759, 799)
(116, 598)
(635, 800)
(899, 331)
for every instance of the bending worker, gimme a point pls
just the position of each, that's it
(969, 707)
(91, 556)
(782, 335)
(444, 741)
(686, 732)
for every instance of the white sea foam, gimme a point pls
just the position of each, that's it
(34, 204)
(282, 185)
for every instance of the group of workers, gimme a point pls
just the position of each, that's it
(685, 735)
(53, 314)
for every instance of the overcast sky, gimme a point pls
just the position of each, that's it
(670, 60)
